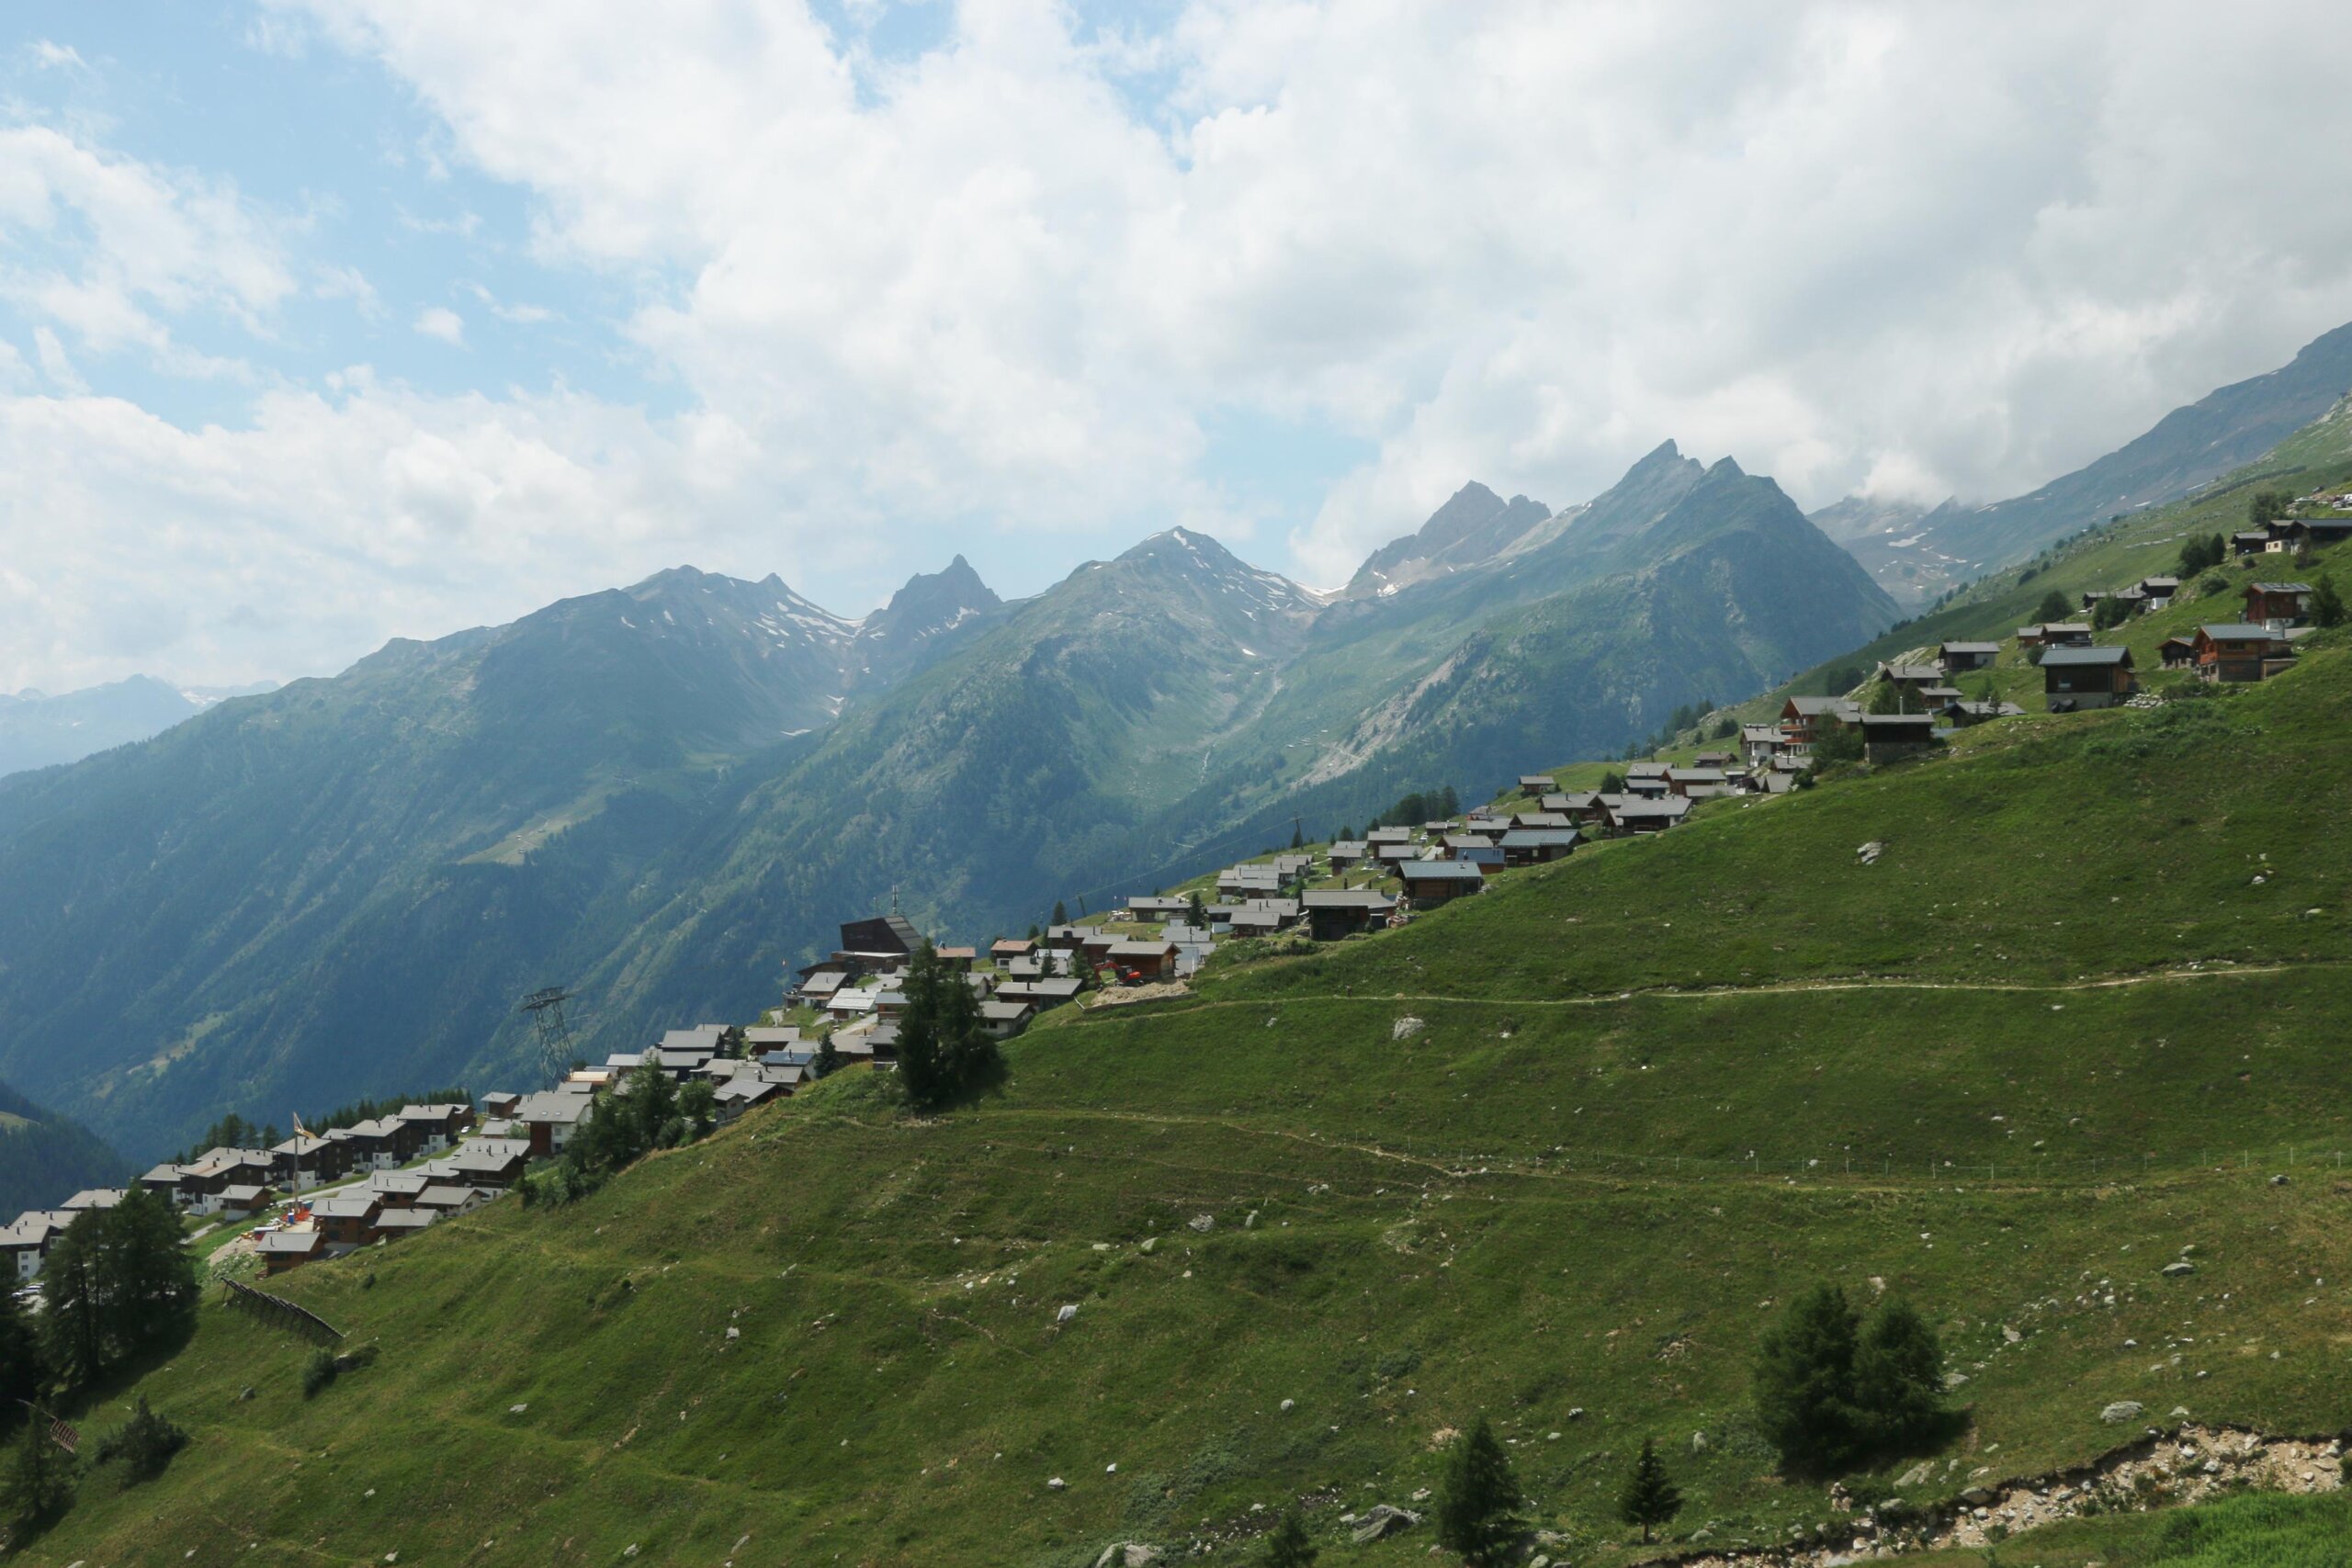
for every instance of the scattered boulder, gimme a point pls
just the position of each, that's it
(1384, 1520)
(1068, 1311)
(1128, 1554)
(1868, 854)
(1698, 1442)
(2279, 1179)
(1916, 1475)
(2176, 1268)
(1056, 1484)
(1290, 1405)
(1202, 1222)
(1405, 1028)
(2120, 1411)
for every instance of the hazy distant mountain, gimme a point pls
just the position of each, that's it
(38, 730)
(1897, 543)
(45, 1159)
(664, 794)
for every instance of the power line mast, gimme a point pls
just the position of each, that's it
(546, 1008)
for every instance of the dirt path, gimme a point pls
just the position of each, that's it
(1778, 987)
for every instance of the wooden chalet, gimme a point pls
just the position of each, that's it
(1335, 912)
(1431, 882)
(2238, 652)
(2277, 604)
(1956, 657)
(2079, 678)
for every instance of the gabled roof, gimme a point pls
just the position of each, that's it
(1440, 870)
(1971, 648)
(2237, 631)
(2080, 658)
(2280, 587)
(1347, 898)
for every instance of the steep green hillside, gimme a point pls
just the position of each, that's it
(1552, 1155)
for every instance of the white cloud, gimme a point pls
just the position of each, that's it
(439, 320)
(1523, 241)
(111, 251)
(998, 288)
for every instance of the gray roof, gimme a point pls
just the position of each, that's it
(2079, 658)
(1440, 871)
(2238, 631)
(1971, 647)
(1540, 838)
(1348, 898)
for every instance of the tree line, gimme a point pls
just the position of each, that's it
(117, 1285)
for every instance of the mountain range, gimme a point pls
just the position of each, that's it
(1916, 551)
(663, 795)
(38, 730)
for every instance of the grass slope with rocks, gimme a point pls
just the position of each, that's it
(1563, 1148)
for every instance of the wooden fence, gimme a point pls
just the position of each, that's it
(278, 1310)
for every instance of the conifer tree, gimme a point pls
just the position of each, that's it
(23, 1370)
(1650, 1498)
(1478, 1503)
(2055, 606)
(1898, 1377)
(1804, 1380)
(2327, 604)
(827, 1061)
(944, 1052)
(37, 1486)
(1061, 913)
(1288, 1547)
(73, 1319)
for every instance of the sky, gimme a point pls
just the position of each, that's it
(324, 321)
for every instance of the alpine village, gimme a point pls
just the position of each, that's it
(1175, 784)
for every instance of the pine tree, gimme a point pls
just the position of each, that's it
(1898, 1377)
(1061, 913)
(38, 1484)
(73, 1320)
(1297, 838)
(144, 1273)
(1478, 1503)
(1805, 1380)
(1197, 913)
(1288, 1547)
(22, 1368)
(2055, 606)
(827, 1061)
(944, 1052)
(1650, 1498)
(2327, 604)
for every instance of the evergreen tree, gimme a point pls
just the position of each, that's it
(2055, 606)
(827, 1061)
(73, 1321)
(1888, 698)
(38, 1484)
(2111, 613)
(1650, 1498)
(23, 1372)
(1898, 1377)
(1347, 833)
(1613, 783)
(1061, 913)
(698, 1108)
(145, 1275)
(942, 1050)
(145, 1443)
(1197, 913)
(1449, 804)
(1288, 1547)
(1297, 838)
(2327, 604)
(1805, 1380)
(1479, 1501)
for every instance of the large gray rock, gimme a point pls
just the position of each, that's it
(2120, 1411)
(1128, 1554)
(1384, 1520)
(2175, 1270)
